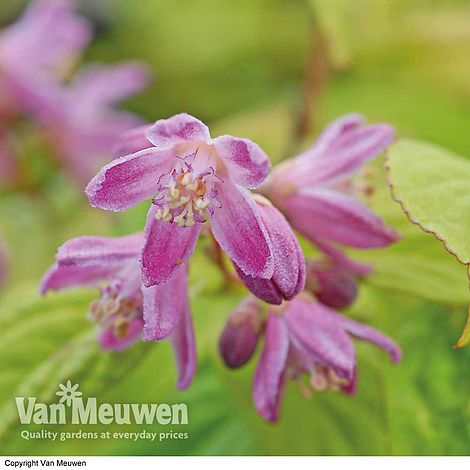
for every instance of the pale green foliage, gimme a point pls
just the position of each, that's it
(432, 186)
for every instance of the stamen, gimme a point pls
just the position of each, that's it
(121, 327)
(185, 197)
(186, 179)
(319, 381)
(114, 312)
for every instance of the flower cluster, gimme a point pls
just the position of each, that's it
(223, 188)
(73, 113)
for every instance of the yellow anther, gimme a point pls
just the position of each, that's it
(175, 193)
(121, 327)
(186, 179)
(200, 204)
(192, 186)
(319, 381)
(183, 196)
(111, 306)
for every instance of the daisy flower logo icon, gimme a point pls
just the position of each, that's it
(68, 393)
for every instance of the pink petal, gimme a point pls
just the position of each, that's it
(289, 263)
(132, 141)
(238, 229)
(338, 258)
(109, 341)
(246, 162)
(167, 248)
(269, 376)
(164, 306)
(184, 346)
(102, 85)
(62, 277)
(93, 251)
(129, 278)
(128, 180)
(46, 35)
(33, 49)
(367, 333)
(83, 148)
(323, 213)
(178, 129)
(42, 97)
(336, 159)
(315, 332)
(264, 289)
(333, 132)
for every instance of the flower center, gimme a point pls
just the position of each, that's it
(313, 376)
(114, 312)
(184, 196)
(362, 184)
(325, 378)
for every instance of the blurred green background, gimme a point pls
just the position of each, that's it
(275, 71)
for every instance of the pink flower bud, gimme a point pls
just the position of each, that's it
(239, 338)
(333, 286)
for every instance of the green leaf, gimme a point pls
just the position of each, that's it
(464, 339)
(44, 342)
(431, 185)
(416, 264)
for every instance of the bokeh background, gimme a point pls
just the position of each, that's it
(275, 71)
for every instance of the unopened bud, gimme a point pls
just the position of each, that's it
(239, 338)
(333, 286)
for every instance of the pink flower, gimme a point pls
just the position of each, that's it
(315, 192)
(79, 117)
(126, 309)
(305, 337)
(190, 177)
(47, 37)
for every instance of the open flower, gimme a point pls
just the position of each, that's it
(317, 195)
(34, 49)
(310, 338)
(125, 309)
(302, 337)
(78, 117)
(190, 178)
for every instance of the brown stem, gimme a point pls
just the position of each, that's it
(317, 73)
(216, 255)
